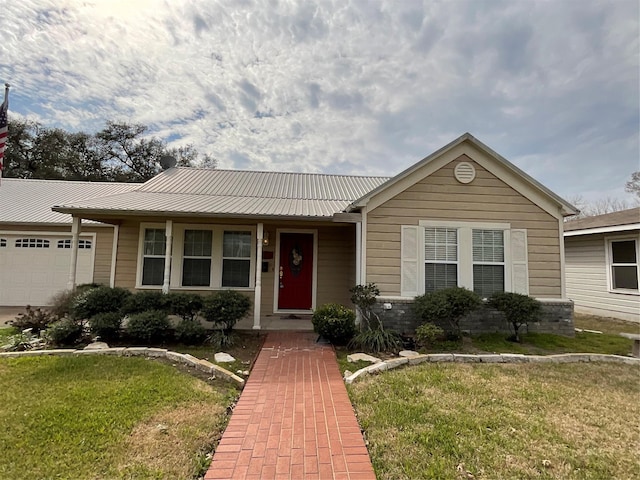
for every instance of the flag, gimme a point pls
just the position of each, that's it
(4, 124)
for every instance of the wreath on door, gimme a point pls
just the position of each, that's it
(295, 260)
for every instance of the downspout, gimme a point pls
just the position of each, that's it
(167, 256)
(75, 236)
(257, 294)
(358, 264)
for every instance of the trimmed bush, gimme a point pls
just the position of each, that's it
(149, 327)
(62, 303)
(106, 326)
(99, 300)
(185, 305)
(190, 332)
(64, 333)
(428, 334)
(225, 308)
(146, 301)
(334, 322)
(449, 304)
(518, 309)
(35, 319)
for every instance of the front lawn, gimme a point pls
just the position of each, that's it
(106, 417)
(524, 421)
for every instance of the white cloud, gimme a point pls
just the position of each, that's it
(348, 87)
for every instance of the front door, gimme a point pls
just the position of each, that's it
(295, 271)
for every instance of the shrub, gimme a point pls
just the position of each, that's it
(428, 334)
(149, 327)
(106, 326)
(518, 309)
(225, 308)
(335, 322)
(146, 301)
(64, 333)
(221, 339)
(190, 332)
(35, 319)
(99, 300)
(450, 305)
(364, 298)
(185, 305)
(376, 340)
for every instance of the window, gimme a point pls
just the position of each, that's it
(441, 258)
(32, 243)
(82, 244)
(488, 262)
(236, 259)
(196, 260)
(153, 252)
(623, 256)
(3, 242)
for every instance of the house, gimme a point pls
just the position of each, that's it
(35, 242)
(602, 264)
(463, 216)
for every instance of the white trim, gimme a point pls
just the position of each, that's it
(177, 248)
(563, 274)
(257, 294)
(609, 263)
(276, 270)
(456, 224)
(613, 229)
(114, 256)
(168, 235)
(76, 227)
(363, 263)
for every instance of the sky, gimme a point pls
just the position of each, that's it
(346, 87)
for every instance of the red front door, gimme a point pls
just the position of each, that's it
(295, 271)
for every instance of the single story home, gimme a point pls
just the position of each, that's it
(603, 264)
(35, 242)
(463, 216)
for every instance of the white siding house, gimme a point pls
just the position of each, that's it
(602, 256)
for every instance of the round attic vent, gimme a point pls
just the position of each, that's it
(464, 172)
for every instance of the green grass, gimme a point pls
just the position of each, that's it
(5, 333)
(546, 344)
(96, 417)
(444, 421)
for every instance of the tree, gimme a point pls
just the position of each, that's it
(597, 207)
(633, 185)
(120, 152)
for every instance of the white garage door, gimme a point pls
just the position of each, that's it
(33, 268)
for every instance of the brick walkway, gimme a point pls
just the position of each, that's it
(294, 419)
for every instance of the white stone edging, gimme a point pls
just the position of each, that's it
(186, 359)
(490, 358)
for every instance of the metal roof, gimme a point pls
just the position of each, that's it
(30, 201)
(234, 192)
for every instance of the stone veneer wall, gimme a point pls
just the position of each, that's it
(557, 318)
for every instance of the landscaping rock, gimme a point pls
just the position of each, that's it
(222, 357)
(418, 359)
(396, 362)
(491, 358)
(408, 353)
(96, 346)
(465, 358)
(355, 357)
(440, 357)
(376, 367)
(514, 358)
(347, 374)
(155, 352)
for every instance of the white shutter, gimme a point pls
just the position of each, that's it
(519, 262)
(412, 243)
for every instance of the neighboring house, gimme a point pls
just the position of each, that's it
(35, 242)
(462, 216)
(603, 264)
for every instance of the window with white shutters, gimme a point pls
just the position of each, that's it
(440, 258)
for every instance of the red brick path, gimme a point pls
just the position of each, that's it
(294, 419)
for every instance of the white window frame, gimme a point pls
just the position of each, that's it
(141, 255)
(223, 258)
(182, 256)
(440, 262)
(609, 262)
(177, 250)
(504, 256)
(465, 249)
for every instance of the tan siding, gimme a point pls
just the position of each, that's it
(586, 276)
(486, 199)
(335, 262)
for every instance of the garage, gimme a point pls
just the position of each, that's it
(34, 266)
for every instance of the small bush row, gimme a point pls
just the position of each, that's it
(101, 311)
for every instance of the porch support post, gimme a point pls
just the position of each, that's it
(75, 236)
(167, 256)
(358, 263)
(258, 286)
